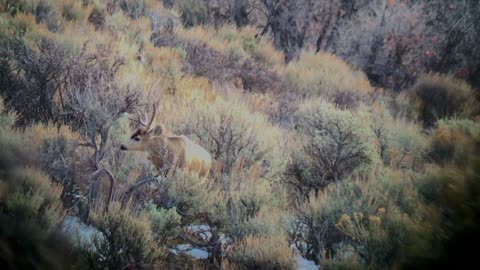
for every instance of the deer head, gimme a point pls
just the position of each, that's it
(144, 132)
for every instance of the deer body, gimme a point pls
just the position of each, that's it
(179, 152)
(170, 152)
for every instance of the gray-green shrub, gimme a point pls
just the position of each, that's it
(165, 223)
(125, 237)
(438, 96)
(336, 143)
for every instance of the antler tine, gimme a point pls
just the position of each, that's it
(153, 116)
(142, 117)
(145, 119)
(141, 120)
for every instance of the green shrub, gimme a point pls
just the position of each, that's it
(232, 210)
(452, 141)
(408, 146)
(248, 196)
(337, 143)
(34, 198)
(440, 96)
(323, 74)
(237, 138)
(197, 197)
(126, 237)
(380, 119)
(7, 119)
(97, 18)
(313, 230)
(32, 75)
(193, 12)
(381, 218)
(453, 192)
(343, 265)
(252, 227)
(400, 143)
(57, 158)
(134, 8)
(194, 196)
(30, 211)
(49, 13)
(116, 22)
(73, 10)
(165, 223)
(14, 7)
(385, 239)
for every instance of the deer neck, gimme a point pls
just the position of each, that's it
(156, 144)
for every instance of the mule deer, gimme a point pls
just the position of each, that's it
(167, 152)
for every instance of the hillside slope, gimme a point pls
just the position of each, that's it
(313, 164)
(390, 40)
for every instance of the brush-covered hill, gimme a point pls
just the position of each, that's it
(313, 162)
(390, 40)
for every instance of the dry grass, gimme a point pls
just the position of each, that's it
(196, 95)
(22, 21)
(39, 132)
(199, 106)
(128, 234)
(259, 135)
(323, 74)
(438, 96)
(230, 40)
(264, 253)
(452, 141)
(73, 10)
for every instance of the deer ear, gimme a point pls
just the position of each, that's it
(158, 130)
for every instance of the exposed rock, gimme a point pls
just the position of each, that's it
(78, 231)
(202, 231)
(197, 253)
(304, 264)
(187, 249)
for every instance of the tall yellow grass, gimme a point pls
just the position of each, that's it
(324, 74)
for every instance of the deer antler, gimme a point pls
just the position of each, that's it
(154, 113)
(142, 118)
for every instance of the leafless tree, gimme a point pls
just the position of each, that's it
(393, 41)
(387, 41)
(92, 102)
(334, 149)
(31, 78)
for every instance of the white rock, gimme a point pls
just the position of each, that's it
(197, 253)
(183, 247)
(79, 231)
(188, 250)
(304, 264)
(174, 251)
(202, 231)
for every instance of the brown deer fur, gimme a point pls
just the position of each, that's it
(169, 152)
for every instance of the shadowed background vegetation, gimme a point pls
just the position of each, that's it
(343, 132)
